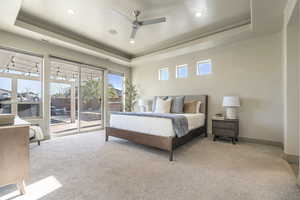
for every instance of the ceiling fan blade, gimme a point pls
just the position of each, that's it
(122, 15)
(133, 33)
(153, 21)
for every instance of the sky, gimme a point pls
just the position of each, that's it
(23, 85)
(35, 86)
(5, 83)
(204, 68)
(116, 81)
(164, 74)
(182, 72)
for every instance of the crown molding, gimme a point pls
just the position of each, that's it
(208, 40)
(59, 39)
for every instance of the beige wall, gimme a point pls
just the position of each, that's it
(291, 136)
(250, 69)
(291, 79)
(290, 43)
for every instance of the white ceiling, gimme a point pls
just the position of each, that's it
(87, 30)
(94, 18)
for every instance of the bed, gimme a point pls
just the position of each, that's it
(158, 131)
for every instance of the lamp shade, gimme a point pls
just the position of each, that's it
(141, 102)
(231, 101)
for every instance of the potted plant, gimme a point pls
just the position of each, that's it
(131, 95)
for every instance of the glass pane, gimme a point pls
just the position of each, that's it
(182, 72)
(64, 99)
(28, 84)
(5, 89)
(115, 92)
(29, 110)
(91, 99)
(163, 74)
(29, 91)
(5, 108)
(204, 67)
(20, 64)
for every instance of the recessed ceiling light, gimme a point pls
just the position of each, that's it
(71, 12)
(199, 14)
(132, 41)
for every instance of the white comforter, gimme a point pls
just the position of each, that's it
(153, 125)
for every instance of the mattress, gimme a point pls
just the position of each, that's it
(154, 125)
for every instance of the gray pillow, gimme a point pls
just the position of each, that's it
(154, 102)
(177, 104)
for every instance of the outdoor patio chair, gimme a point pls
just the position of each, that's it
(36, 134)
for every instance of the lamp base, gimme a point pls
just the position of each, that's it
(142, 108)
(231, 113)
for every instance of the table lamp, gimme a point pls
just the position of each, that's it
(142, 105)
(231, 103)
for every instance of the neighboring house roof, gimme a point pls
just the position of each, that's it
(4, 91)
(119, 92)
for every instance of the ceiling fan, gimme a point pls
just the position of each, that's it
(136, 23)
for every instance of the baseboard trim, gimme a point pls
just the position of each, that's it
(293, 159)
(260, 141)
(256, 141)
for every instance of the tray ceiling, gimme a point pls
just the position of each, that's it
(94, 22)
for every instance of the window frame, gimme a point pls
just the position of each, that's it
(181, 66)
(14, 90)
(159, 74)
(204, 61)
(8, 102)
(123, 88)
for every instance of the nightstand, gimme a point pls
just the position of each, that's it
(226, 128)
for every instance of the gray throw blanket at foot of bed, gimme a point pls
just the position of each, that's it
(180, 122)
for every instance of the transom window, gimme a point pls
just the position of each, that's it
(163, 74)
(204, 67)
(182, 71)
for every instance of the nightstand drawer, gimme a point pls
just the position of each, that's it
(224, 132)
(226, 125)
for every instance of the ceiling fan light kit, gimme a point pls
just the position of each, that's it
(136, 23)
(131, 41)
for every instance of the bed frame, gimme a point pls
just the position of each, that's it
(160, 142)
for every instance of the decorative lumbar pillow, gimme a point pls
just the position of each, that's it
(163, 106)
(177, 104)
(192, 106)
(198, 106)
(154, 102)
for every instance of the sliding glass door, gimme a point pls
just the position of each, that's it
(91, 99)
(76, 98)
(64, 98)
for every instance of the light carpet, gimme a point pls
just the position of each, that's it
(85, 167)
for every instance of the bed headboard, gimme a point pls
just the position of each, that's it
(202, 98)
(203, 107)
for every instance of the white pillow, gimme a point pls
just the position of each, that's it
(163, 106)
(198, 107)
